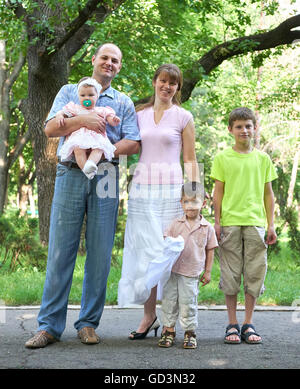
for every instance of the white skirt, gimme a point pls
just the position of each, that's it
(151, 209)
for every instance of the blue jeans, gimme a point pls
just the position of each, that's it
(75, 196)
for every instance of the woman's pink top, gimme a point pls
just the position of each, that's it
(159, 162)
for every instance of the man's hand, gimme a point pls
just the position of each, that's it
(94, 122)
(60, 120)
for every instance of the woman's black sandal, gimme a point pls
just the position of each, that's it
(228, 333)
(246, 335)
(142, 335)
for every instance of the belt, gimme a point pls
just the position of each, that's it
(73, 165)
(70, 164)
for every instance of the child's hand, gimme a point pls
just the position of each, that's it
(116, 120)
(205, 278)
(218, 231)
(271, 236)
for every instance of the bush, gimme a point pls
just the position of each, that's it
(291, 216)
(20, 243)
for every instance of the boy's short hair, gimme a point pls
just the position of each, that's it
(192, 189)
(242, 113)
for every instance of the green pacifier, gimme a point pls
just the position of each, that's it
(87, 103)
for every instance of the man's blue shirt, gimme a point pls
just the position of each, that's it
(122, 104)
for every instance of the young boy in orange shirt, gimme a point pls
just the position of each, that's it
(181, 291)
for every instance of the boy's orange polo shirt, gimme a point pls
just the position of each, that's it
(197, 239)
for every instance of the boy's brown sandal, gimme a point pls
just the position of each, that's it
(167, 339)
(88, 335)
(189, 340)
(40, 339)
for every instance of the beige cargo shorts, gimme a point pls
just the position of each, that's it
(243, 251)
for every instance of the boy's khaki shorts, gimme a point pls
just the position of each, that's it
(243, 250)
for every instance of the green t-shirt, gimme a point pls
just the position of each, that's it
(244, 177)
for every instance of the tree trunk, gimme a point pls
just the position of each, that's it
(42, 87)
(4, 127)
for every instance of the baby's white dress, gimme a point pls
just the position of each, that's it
(85, 138)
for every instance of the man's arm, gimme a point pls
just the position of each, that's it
(217, 202)
(92, 121)
(269, 206)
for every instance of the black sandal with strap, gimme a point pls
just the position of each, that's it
(228, 333)
(246, 335)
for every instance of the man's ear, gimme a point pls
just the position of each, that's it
(120, 67)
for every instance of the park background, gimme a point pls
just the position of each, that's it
(232, 53)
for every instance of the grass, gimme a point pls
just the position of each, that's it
(25, 286)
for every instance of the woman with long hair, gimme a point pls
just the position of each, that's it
(167, 131)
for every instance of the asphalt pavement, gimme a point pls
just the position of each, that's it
(279, 327)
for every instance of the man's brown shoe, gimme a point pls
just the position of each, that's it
(88, 335)
(40, 339)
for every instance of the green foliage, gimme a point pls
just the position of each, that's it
(291, 216)
(282, 283)
(20, 244)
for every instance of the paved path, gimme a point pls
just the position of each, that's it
(280, 350)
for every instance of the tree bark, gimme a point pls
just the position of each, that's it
(4, 126)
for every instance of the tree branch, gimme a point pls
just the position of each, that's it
(281, 35)
(17, 150)
(18, 9)
(81, 59)
(15, 71)
(77, 29)
(76, 42)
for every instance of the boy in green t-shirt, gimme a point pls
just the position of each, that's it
(243, 201)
